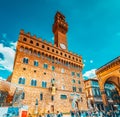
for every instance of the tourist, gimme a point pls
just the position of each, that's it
(40, 115)
(79, 113)
(48, 114)
(58, 114)
(82, 114)
(29, 115)
(61, 114)
(72, 113)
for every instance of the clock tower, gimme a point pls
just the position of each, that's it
(60, 28)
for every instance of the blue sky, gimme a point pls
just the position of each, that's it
(94, 28)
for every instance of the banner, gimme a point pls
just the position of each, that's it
(9, 111)
(3, 111)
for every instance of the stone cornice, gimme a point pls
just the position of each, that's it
(109, 65)
(28, 35)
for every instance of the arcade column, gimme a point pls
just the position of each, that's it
(104, 98)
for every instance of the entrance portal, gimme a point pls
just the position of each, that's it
(52, 108)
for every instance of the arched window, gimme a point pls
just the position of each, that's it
(30, 51)
(35, 53)
(52, 98)
(24, 39)
(78, 81)
(21, 48)
(43, 46)
(25, 60)
(53, 68)
(98, 92)
(73, 81)
(81, 99)
(33, 82)
(78, 75)
(72, 73)
(45, 66)
(57, 52)
(41, 96)
(37, 44)
(74, 89)
(36, 63)
(63, 96)
(80, 89)
(62, 70)
(23, 95)
(53, 81)
(94, 92)
(21, 80)
(38, 54)
(63, 87)
(44, 84)
(26, 50)
(48, 48)
(31, 41)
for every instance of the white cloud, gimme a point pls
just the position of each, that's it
(91, 61)
(2, 78)
(1, 67)
(13, 45)
(89, 74)
(8, 53)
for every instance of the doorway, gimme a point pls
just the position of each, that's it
(52, 108)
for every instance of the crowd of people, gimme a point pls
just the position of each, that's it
(58, 114)
(98, 113)
(110, 113)
(102, 113)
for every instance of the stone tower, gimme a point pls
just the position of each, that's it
(60, 28)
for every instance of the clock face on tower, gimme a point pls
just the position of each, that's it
(63, 46)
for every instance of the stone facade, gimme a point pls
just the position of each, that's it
(40, 66)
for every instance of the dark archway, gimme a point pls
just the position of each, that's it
(112, 95)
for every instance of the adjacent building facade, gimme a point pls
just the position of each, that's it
(110, 73)
(94, 95)
(50, 75)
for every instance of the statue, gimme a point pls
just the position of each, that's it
(53, 90)
(89, 104)
(74, 102)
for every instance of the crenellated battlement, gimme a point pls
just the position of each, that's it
(38, 45)
(34, 38)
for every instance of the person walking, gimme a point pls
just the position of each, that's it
(48, 114)
(108, 114)
(58, 114)
(72, 113)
